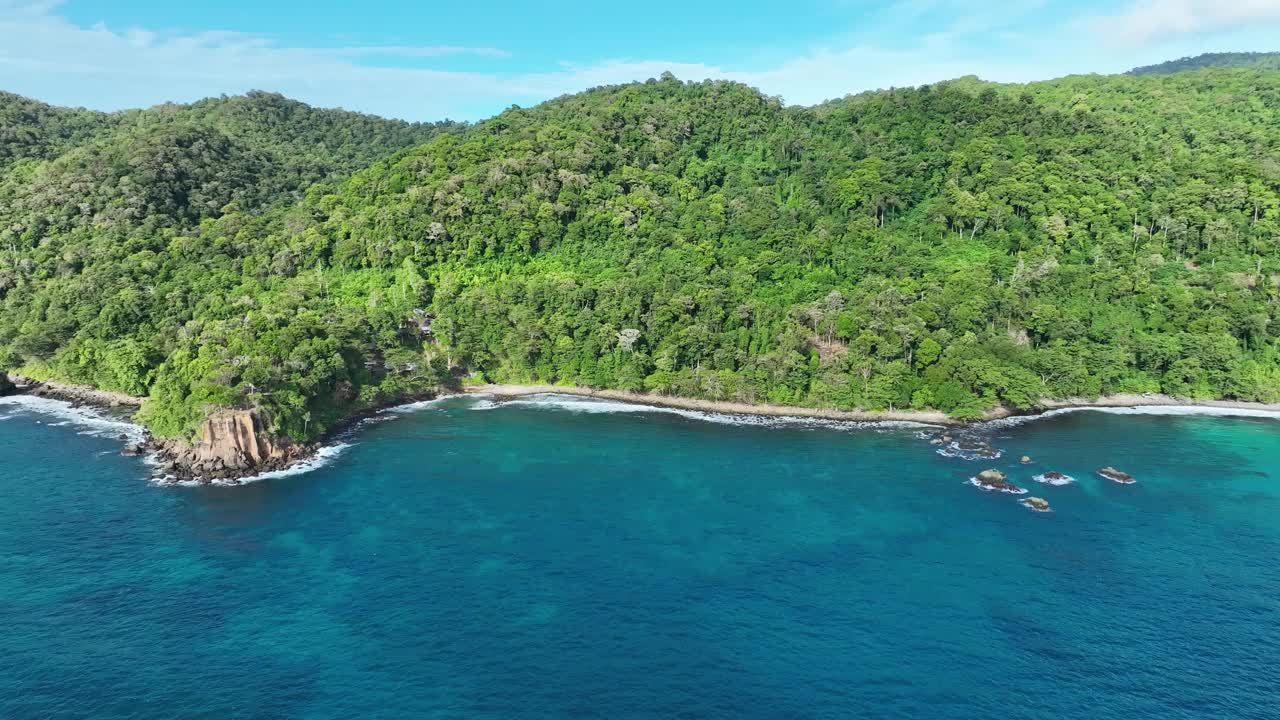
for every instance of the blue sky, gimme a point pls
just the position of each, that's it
(425, 60)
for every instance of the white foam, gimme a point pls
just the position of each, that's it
(414, 406)
(323, 456)
(574, 403)
(954, 449)
(1176, 410)
(94, 421)
(1065, 480)
(1016, 491)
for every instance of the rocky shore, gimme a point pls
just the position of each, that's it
(230, 445)
(235, 444)
(77, 395)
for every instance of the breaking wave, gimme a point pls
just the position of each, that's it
(985, 488)
(414, 406)
(323, 456)
(92, 421)
(1056, 481)
(964, 451)
(577, 404)
(1175, 410)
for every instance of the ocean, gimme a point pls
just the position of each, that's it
(561, 557)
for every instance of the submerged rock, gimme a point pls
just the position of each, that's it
(1115, 475)
(1054, 477)
(1037, 504)
(969, 450)
(994, 480)
(132, 450)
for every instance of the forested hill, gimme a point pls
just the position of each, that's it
(952, 247)
(1251, 60)
(257, 149)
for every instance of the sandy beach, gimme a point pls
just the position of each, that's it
(932, 417)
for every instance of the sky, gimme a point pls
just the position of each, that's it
(426, 60)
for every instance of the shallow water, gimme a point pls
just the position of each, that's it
(545, 560)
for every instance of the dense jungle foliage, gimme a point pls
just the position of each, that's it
(953, 246)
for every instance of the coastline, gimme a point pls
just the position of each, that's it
(168, 455)
(1151, 400)
(76, 394)
(929, 417)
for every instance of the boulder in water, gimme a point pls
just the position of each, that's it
(1053, 477)
(1026, 460)
(1037, 504)
(1115, 475)
(995, 480)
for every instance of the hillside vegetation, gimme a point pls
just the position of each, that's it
(1252, 60)
(952, 247)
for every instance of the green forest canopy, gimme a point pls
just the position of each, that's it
(953, 246)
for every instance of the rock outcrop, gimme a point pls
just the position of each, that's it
(1026, 460)
(230, 444)
(1115, 475)
(1053, 477)
(1037, 504)
(995, 480)
(6, 385)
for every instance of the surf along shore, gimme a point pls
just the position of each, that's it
(256, 452)
(928, 417)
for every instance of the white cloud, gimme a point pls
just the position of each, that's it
(43, 55)
(1148, 21)
(428, 51)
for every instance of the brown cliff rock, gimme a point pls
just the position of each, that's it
(230, 444)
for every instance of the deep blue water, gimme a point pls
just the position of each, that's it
(535, 562)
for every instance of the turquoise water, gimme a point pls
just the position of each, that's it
(534, 561)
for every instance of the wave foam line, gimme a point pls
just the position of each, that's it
(1167, 410)
(984, 488)
(323, 457)
(95, 422)
(413, 407)
(574, 403)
